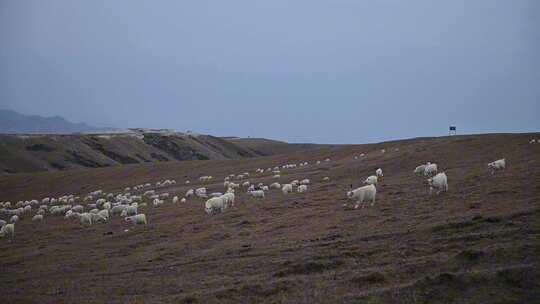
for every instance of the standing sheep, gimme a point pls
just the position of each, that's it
(379, 173)
(371, 180)
(497, 165)
(287, 188)
(37, 217)
(430, 169)
(8, 230)
(301, 188)
(439, 182)
(362, 194)
(214, 205)
(139, 219)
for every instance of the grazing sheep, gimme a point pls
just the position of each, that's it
(77, 208)
(275, 186)
(175, 199)
(117, 209)
(41, 211)
(326, 178)
(430, 169)
(379, 173)
(37, 217)
(287, 188)
(104, 213)
(301, 188)
(139, 219)
(362, 194)
(257, 193)
(157, 202)
(371, 180)
(214, 205)
(189, 193)
(532, 141)
(246, 184)
(265, 188)
(383, 151)
(8, 230)
(439, 182)
(98, 218)
(497, 165)
(183, 200)
(86, 219)
(93, 211)
(216, 194)
(304, 182)
(420, 170)
(228, 199)
(14, 219)
(107, 205)
(276, 176)
(200, 192)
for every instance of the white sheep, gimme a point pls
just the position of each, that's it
(228, 199)
(326, 178)
(14, 219)
(189, 193)
(439, 182)
(214, 205)
(362, 194)
(275, 186)
(175, 199)
(139, 219)
(379, 173)
(497, 165)
(77, 208)
(104, 213)
(201, 192)
(8, 230)
(430, 169)
(216, 194)
(2, 223)
(304, 182)
(420, 170)
(287, 188)
(257, 193)
(276, 176)
(157, 202)
(183, 200)
(37, 217)
(86, 219)
(301, 188)
(265, 188)
(246, 184)
(371, 180)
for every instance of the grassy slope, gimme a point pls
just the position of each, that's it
(477, 243)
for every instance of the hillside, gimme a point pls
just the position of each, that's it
(477, 243)
(12, 122)
(30, 153)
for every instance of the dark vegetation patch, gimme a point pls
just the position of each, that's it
(40, 148)
(77, 158)
(309, 267)
(143, 158)
(168, 145)
(96, 145)
(57, 166)
(369, 279)
(158, 157)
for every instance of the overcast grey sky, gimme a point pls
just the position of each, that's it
(335, 71)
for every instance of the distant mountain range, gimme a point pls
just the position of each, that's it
(12, 122)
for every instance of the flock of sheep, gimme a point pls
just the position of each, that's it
(100, 207)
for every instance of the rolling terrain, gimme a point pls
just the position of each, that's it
(477, 243)
(32, 152)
